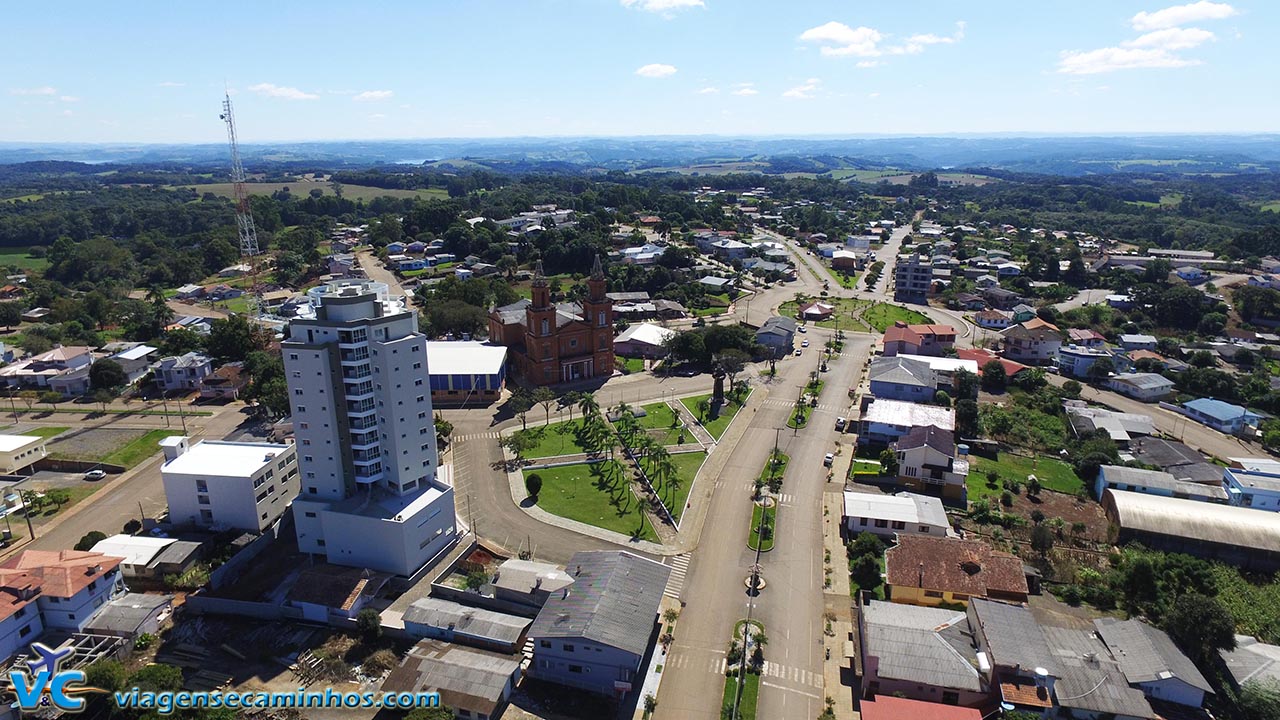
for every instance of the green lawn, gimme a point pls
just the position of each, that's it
(139, 449)
(864, 467)
(1272, 207)
(716, 426)
(45, 432)
(799, 417)
(753, 537)
(882, 316)
(676, 495)
(848, 281)
(1053, 474)
(597, 494)
(750, 692)
(777, 469)
(633, 365)
(19, 258)
(841, 317)
(560, 438)
(658, 421)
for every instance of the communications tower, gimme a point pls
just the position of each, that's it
(244, 217)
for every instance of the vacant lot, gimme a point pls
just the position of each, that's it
(596, 494)
(115, 446)
(20, 258)
(1053, 474)
(882, 316)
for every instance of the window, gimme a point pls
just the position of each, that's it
(202, 486)
(297, 391)
(21, 612)
(306, 442)
(293, 356)
(417, 366)
(202, 499)
(320, 543)
(924, 528)
(27, 630)
(898, 524)
(932, 594)
(575, 668)
(862, 522)
(418, 382)
(206, 515)
(882, 523)
(566, 647)
(545, 644)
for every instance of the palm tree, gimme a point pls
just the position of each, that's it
(588, 404)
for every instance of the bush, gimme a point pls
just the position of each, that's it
(379, 662)
(533, 485)
(1006, 498)
(369, 624)
(89, 540)
(144, 641)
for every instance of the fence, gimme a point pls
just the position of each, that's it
(231, 569)
(74, 466)
(203, 604)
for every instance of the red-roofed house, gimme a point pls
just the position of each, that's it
(42, 589)
(888, 707)
(982, 357)
(1085, 337)
(930, 571)
(816, 311)
(904, 339)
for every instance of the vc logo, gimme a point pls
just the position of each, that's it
(46, 684)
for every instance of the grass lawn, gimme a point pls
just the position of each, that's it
(715, 426)
(555, 439)
(845, 307)
(597, 494)
(777, 469)
(882, 315)
(750, 692)
(140, 449)
(1053, 475)
(676, 496)
(19, 258)
(633, 365)
(815, 389)
(658, 420)
(848, 281)
(864, 467)
(45, 432)
(799, 418)
(1272, 207)
(753, 537)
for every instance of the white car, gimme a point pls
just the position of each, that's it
(802, 329)
(95, 474)
(840, 422)
(804, 343)
(797, 352)
(828, 459)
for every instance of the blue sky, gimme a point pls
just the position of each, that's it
(155, 71)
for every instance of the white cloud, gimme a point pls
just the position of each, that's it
(169, 83)
(745, 90)
(1181, 15)
(69, 98)
(46, 90)
(803, 91)
(277, 91)
(873, 96)
(1110, 59)
(656, 70)
(372, 95)
(709, 91)
(868, 63)
(1171, 39)
(837, 40)
(67, 113)
(378, 116)
(665, 8)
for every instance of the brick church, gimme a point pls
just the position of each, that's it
(558, 343)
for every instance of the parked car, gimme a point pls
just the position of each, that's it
(840, 423)
(804, 343)
(798, 352)
(95, 474)
(157, 532)
(828, 459)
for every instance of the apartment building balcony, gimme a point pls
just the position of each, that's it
(367, 422)
(356, 373)
(364, 440)
(353, 356)
(361, 407)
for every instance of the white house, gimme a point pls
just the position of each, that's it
(1138, 342)
(245, 486)
(183, 372)
(1147, 387)
(53, 590)
(1191, 274)
(1076, 361)
(643, 340)
(1253, 482)
(1265, 281)
(993, 319)
(889, 515)
(19, 451)
(930, 462)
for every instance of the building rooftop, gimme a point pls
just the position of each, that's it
(1164, 453)
(1136, 339)
(460, 618)
(944, 364)
(125, 614)
(466, 678)
(1119, 425)
(133, 549)
(904, 507)
(217, 458)
(613, 601)
(1090, 678)
(525, 576)
(1205, 522)
(1146, 654)
(888, 707)
(1014, 638)
(1252, 660)
(928, 435)
(1144, 381)
(383, 505)
(54, 573)
(909, 414)
(462, 357)
(647, 333)
(901, 371)
(970, 567)
(1262, 480)
(9, 443)
(1216, 409)
(909, 644)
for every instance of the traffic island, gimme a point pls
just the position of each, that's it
(763, 515)
(743, 664)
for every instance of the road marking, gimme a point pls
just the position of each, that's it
(792, 674)
(784, 688)
(476, 436)
(679, 569)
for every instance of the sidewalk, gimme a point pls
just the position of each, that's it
(837, 604)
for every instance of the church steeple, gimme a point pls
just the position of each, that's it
(539, 279)
(597, 272)
(541, 294)
(596, 283)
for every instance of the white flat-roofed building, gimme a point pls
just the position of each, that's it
(945, 367)
(466, 372)
(884, 421)
(245, 486)
(886, 515)
(1253, 482)
(19, 451)
(1147, 387)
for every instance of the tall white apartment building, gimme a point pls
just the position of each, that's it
(373, 493)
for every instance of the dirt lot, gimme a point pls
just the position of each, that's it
(92, 443)
(1058, 505)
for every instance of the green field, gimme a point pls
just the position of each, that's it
(770, 526)
(633, 365)
(882, 316)
(750, 693)
(303, 188)
(46, 432)
(658, 421)
(1272, 207)
(1053, 474)
(718, 425)
(19, 258)
(555, 439)
(597, 494)
(841, 317)
(864, 467)
(676, 495)
(139, 449)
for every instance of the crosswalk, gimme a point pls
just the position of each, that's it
(679, 569)
(685, 661)
(792, 674)
(714, 662)
(493, 435)
(824, 407)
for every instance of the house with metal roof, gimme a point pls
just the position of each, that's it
(920, 653)
(446, 620)
(777, 332)
(1152, 663)
(1154, 482)
(1253, 483)
(929, 462)
(1252, 661)
(1133, 341)
(593, 634)
(1236, 535)
(474, 683)
(898, 378)
(884, 421)
(1221, 416)
(1091, 683)
(1147, 387)
(1121, 427)
(889, 515)
(1018, 662)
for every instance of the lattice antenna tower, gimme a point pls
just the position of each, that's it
(244, 218)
